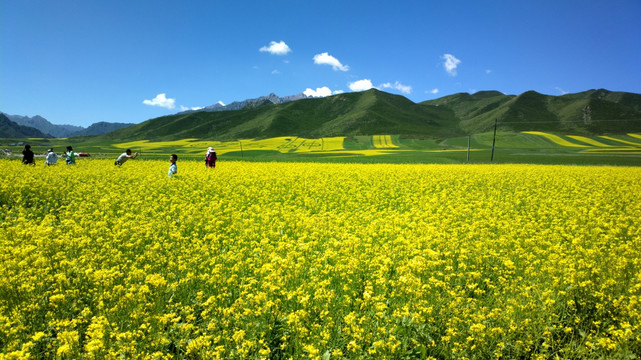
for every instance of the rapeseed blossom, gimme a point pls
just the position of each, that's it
(298, 260)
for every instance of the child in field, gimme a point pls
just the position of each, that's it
(124, 157)
(70, 156)
(28, 155)
(173, 169)
(52, 158)
(210, 158)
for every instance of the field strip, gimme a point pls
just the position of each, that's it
(376, 140)
(332, 143)
(621, 141)
(383, 141)
(638, 136)
(588, 141)
(612, 151)
(555, 139)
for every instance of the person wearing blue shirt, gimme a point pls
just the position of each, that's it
(173, 169)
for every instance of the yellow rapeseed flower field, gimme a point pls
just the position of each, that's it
(323, 261)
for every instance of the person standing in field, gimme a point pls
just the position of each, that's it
(210, 158)
(124, 157)
(52, 158)
(70, 156)
(173, 169)
(28, 155)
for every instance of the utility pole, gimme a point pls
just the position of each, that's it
(468, 148)
(496, 121)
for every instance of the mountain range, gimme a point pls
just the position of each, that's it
(251, 103)
(372, 112)
(375, 112)
(58, 131)
(10, 129)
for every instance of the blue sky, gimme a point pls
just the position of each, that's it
(79, 62)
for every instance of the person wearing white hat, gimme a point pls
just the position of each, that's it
(210, 158)
(52, 158)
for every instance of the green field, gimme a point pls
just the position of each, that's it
(510, 147)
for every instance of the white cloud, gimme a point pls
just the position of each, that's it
(275, 72)
(451, 63)
(361, 85)
(327, 59)
(221, 103)
(405, 89)
(433, 91)
(319, 92)
(336, 92)
(276, 48)
(162, 101)
(488, 71)
(194, 108)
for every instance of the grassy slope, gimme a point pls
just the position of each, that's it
(364, 113)
(590, 112)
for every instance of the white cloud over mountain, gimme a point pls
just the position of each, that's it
(276, 48)
(327, 59)
(194, 108)
(405, 89)
(361, 85)
(161, 100)
(319, 92)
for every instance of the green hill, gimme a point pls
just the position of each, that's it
(363, 113)
(590, 112)
(375, 112)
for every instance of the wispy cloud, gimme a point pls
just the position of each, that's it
(276, 48)
(563, 92)
(405, 89)
(433, 91)
(327, 59)
(161, 100)
(194, 108)
(361, 85)
(450, 64)
(488, 71)
(275, 72)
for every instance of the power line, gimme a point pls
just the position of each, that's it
(565, 122)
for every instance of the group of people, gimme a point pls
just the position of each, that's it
(28, 157)
(70, 158)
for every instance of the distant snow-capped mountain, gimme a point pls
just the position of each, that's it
(251, 103)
